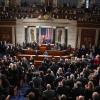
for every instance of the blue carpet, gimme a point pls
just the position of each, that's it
(21, 93)
(17, 98)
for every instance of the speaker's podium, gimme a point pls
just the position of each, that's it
(43, 48)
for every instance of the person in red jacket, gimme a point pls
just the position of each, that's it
(96, 61)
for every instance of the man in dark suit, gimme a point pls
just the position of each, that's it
(49, 94)
(77, 90)
(37, 81)
(49, 78)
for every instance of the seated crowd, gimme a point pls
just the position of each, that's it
(65, 12)
(75, 78)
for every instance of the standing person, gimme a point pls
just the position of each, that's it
(37, 82)
(49, 78)
(89, 89)
(48, 94)
(95, 96)
(96, 61)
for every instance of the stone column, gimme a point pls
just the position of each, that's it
(79, 30)
(80, 3)
(37, 34)
(96, 36)
(54, 31)
(42, 1)
(26, 34)
(18, 2)
(6, 2)
(55, 3)
(66, 37)
(72, 34)
(12, 2)
(14, 35)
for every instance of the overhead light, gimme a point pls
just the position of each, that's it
(25, 26)
(66, 27)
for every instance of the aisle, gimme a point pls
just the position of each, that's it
(21, 93)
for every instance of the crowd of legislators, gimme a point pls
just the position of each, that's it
(65, 12)
(13, 49)
(74, 78)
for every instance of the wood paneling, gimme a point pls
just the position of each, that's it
(7, 22)
(89, 25)
(6, 34)
(88, 37)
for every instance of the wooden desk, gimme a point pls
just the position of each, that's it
(25, 55)
(41, 57)
(42, 49)
(37, 63)
(57, 52)
(38, 59)
(50, 52)
(31, 52)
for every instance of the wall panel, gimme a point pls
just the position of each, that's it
(6, 34)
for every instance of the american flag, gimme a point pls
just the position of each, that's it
(46, 32)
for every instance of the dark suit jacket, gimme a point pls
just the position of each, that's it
(49, 94)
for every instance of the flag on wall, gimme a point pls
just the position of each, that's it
(46, 35)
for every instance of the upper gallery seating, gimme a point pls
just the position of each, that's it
(79, 14)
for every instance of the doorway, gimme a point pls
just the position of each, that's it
(88, 37)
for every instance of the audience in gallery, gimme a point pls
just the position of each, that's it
(72, 78)
(40, 11)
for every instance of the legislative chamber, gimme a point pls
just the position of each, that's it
(49, 49)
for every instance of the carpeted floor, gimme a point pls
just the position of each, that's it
(21, 93)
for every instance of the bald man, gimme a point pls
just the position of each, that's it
(95, 96)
